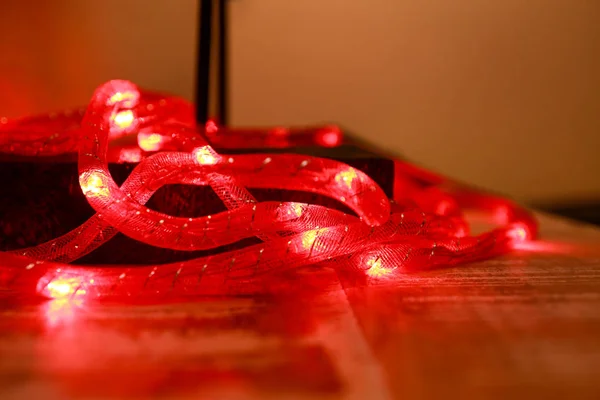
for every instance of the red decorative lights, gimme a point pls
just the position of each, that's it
(422, 227)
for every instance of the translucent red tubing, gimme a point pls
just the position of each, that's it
(422, 227)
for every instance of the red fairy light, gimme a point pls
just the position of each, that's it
(205, 155)
(122, 92)
(94, 184)
(346, 177)
(150, 141)
(330, 136)
(375, 268)
(519, 233)
(63, 288)
(421, 227)
(121, 123)
(123, 119)
(211, 127)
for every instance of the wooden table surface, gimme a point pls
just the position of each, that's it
(524, 325)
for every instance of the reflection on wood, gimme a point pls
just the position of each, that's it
(521, 326)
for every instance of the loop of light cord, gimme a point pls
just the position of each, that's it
(422, 227)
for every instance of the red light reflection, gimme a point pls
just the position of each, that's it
(60, 311)
(549, 247)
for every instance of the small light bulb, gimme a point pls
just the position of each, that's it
(519, 233)
(94, 184)
(205, 155)
(127, 97)
(123, 119)
(330, 136)
(150, 141)
(61, 287)
(346, 177)
(376, 270)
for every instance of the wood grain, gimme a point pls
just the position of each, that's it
(525, 325)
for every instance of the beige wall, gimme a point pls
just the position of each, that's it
(503, 94)
(55, 52)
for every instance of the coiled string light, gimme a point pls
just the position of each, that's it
(422, 227)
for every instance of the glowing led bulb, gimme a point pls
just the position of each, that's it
(123, 119)
(329, 137)
(94, 184)
(205, 155)
(376, 270)
(150, 141)
(128, 96)
(61, 287)
(346, 177)
(518, 233)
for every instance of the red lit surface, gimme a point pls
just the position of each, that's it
(478, 332)
(421, 228)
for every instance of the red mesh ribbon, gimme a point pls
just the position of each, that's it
(421, 228)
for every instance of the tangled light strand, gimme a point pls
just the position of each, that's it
(420, 228)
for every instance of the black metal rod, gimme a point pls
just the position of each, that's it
(203, 60)
(223, 81)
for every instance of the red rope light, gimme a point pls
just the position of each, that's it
(422, 227)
